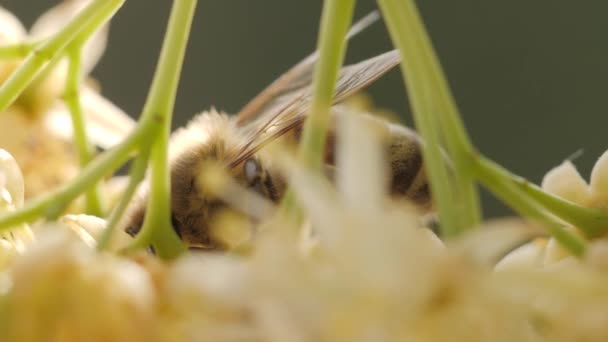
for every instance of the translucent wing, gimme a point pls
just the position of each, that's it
(295, 78)
(288, 111)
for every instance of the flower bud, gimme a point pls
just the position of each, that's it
(11, 29)
(528, 255)
(64, 291)
(11, 32)
(45, 160)
(599, 181)
(90, 229)
(565, 181)
(554, 252)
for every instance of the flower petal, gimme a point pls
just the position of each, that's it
(495, 238)
(55, 19)
(12, 177)
(107, 125)
(529, 255)
(599, 179)
(11, 29)
(361, 166)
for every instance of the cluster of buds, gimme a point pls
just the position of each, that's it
(565, 182)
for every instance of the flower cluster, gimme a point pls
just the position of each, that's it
(40, 137)
(364, 267)
(565, 182)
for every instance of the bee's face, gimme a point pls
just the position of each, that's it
(193, 209)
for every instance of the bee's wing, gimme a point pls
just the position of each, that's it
(296, 78)
(288, 111)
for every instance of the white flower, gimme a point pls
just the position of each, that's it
(565, 181)
(62, 290)
(12, 242)
(40, 137)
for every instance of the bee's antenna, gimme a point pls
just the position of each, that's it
(577, 154)
(363, 23)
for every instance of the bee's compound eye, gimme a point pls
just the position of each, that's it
(252, 170)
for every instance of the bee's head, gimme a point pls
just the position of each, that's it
(193, 209)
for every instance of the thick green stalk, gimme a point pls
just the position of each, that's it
(94, 15)
(16, 51)
(397, 14)
(457, 141)
(86, 150)
(157, 229)
(335, 21)
(526, 206)
(331, 47)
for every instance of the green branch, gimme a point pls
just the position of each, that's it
(515, 197)
(455, 138)
(136, 175)
(86, 150)
(331, 46)
(591, 221)
(335, 21)
(16, 51)
(92, 16)
(157, 229)
(401, 19)
(52, 204)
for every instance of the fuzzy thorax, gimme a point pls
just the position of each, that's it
(210, 137)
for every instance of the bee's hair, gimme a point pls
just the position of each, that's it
(210, 133)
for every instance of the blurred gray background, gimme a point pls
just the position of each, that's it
(530, 77)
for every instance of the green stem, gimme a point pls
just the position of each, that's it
(157, 229)
(457, 141)
(53, 203)
(331, 46)
(421, 90)
(335, 21)
(94, 15)
(16, 51)
(487, 173)
(86, 150)
(136, 175)
(591, 221)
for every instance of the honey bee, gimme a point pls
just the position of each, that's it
(278, 112)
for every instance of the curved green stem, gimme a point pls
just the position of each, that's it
(157, 229)
(92, 16)
(136, 175)
(16, 51)
(335, 21)
(456, 139)
(591, 221)
(53, 203)
(515, 197)
(331, 46)
(86, 150)
(422, 92)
